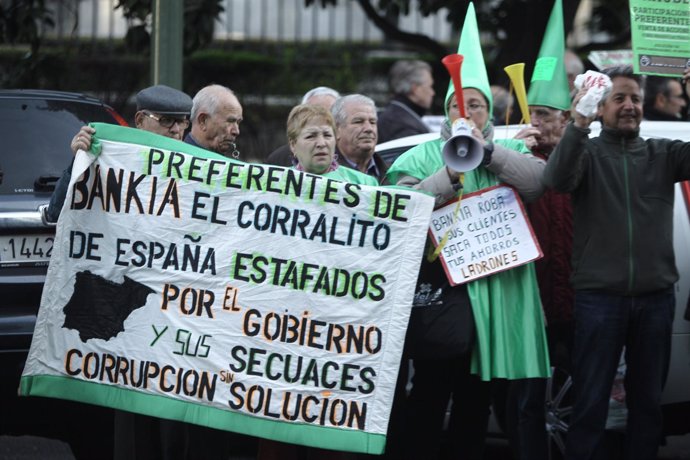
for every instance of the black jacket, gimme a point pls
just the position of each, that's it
(400, 118)
(622, 192)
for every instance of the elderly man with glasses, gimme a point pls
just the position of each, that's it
(160, 109)
(165, 111)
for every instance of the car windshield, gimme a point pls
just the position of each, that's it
(36, 135)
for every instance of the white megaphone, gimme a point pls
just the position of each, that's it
(462, 152)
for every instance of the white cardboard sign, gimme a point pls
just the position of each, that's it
(488, 234)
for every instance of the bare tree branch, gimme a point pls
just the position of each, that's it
(394, 33)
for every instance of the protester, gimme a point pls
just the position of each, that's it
(503, 105)
(357, 134)
(500, 304)
(663, 99)
(216, 118)
(311, 137)
(435, 381)
(160, 110)
(548, 100)
(573, 68)
(322, 96)
(217, 114)
(413, 89)
(551, 220)
(624, 265)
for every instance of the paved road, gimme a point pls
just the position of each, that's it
(678, 448)
(37, 448)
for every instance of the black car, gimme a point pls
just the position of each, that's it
(36, 128)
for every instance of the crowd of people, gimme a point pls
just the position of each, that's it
(601, 209)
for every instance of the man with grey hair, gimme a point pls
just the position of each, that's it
(322, 96)
(413, 88)
(356, 134)
(216, 117)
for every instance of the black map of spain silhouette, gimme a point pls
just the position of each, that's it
(99, 307)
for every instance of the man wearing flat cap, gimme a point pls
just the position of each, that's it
(160, 109)
(163, 110)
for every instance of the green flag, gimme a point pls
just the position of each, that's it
(549, 85)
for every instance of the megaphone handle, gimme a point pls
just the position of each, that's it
(433, 254)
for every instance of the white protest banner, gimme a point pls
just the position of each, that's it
(488, 233)
(243, 297)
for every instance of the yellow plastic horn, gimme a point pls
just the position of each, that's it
(516, 73)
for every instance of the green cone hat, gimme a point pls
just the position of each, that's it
(473, 71)
(549, 84)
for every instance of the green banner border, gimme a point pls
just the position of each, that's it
(174, 409)
(107, 131)
(132, 135)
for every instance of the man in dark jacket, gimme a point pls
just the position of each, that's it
(622, 188)
(413, 86)
(663, 99)
(160, 110)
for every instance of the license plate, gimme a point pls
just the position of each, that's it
(25, 250)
